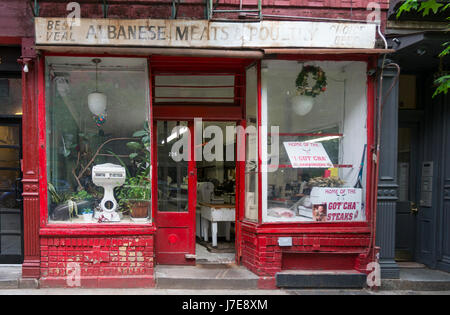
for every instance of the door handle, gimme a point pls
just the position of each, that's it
(413, 207)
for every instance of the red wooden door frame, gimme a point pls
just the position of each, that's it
(175, 234)
(182, 220)
(187, 112)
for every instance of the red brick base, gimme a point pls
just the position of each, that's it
(332, 250)
(101, 261)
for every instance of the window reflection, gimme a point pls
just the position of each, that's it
(97, 119)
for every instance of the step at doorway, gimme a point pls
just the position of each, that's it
(204, 256)
(205, 276)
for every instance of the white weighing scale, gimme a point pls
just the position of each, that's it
(108, 176)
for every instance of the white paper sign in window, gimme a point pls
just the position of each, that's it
(307, 155)
(336, 204)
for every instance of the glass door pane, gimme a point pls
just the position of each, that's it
(175, 240)
(172, 155)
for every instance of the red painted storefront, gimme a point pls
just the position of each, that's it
(115, 255)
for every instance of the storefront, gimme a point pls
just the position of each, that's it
(157, 135)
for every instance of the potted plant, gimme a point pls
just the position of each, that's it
(65, 205)
(134, 196)
(138, 187)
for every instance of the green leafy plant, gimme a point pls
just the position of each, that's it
(135, 189)
(140, 156)
(422, 6)
(443, 85)
(81, 195)
(139, 188)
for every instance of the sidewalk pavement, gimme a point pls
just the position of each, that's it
(418, 279)
(9, 276)
(211, 292)
(412, 281)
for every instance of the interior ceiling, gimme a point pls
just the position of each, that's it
(198, 64)
(85, 63)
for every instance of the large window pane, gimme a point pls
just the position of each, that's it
(313, 170)
(98, 155)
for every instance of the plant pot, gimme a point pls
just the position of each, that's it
(88, 217)
(139, 209)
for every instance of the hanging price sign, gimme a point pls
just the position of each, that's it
(307, 155)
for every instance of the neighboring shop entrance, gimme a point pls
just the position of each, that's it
(408, 206)
(11, 227)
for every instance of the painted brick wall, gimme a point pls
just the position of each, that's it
(15, 19)
(125, 261)
(16, 16)
(195, 9)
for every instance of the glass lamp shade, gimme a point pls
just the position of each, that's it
(97, 103)
(302, 104)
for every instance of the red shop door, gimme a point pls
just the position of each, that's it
(176, 193)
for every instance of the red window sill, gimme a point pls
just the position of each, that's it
(96, 229)
(308, 227)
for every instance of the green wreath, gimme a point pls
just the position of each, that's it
(302, 81)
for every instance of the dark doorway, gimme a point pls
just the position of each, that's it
(11, 220)
(407, 204)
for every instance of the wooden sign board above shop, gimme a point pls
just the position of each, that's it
(203, 34)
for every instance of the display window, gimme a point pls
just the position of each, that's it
(98, 140)
(314, 148)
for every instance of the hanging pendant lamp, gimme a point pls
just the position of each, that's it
(97, 100)
(302, 104)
